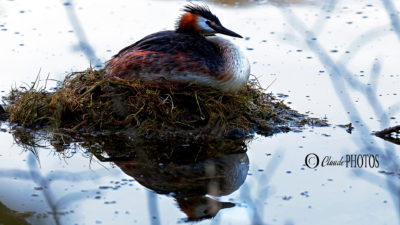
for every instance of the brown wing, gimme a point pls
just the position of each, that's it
(167, 53)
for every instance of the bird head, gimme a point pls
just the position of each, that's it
(199, 19)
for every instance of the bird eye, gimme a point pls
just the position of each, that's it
(208, 23)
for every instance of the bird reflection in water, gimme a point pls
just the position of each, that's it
(194, 174)
(194, 171)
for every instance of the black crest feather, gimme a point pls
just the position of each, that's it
(201, 10)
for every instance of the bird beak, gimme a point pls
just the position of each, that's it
(223, 30)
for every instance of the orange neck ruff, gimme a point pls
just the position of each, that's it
(188, 22)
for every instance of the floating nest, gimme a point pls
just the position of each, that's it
(89, 101)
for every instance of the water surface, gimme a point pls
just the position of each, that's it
(333, 59)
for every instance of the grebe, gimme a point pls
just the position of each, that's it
(191, 53)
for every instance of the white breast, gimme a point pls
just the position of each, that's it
(236, 64)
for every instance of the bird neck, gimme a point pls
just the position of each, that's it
(236, 67)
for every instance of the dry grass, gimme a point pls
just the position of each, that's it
(88, 101)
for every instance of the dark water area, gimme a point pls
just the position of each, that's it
(327, 59)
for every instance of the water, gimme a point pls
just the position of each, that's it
(333, 59)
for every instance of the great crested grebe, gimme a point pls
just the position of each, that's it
(190, 53)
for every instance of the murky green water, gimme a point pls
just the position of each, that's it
(334, 59)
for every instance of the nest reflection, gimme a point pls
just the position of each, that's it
(193, 171)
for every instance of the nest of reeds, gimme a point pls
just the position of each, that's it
(89, 101)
